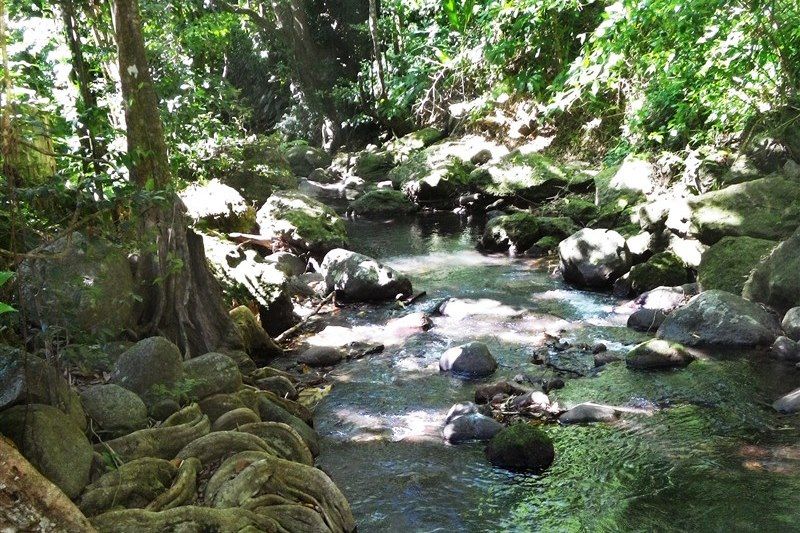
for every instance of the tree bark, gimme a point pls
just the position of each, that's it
(374, 33)
(180, 298)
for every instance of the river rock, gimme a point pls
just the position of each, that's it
(471, 427)
(766, 208)
(485, 393)
(304, 159)
(301, 222)
(114, 411)
(593, 257)
(626, 184)
(87, 288)
(521, 447)
(791, 323)
(214, 205)
(435, 190)
(209, 374)
(151, 363)
(471, 360)
(666, 299)
(256, 167)
(774, 281)
(358, 278)
(646, 320)
(278, 385)
(585, 413)
(52, 443)
(662, 269)
(520, 231)
(460, 409)
(373, 165)
(785, 349)
(658, 354)
(321, 356)
(790, 403)
(383, 203)
(27, 379)
(719, 318)
(727, 264)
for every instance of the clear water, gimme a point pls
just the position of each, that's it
(712, 456)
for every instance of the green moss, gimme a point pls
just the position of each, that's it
(548, 244)
(727, 264)
(663, 269)
(383, 203)
(520, 174)
(523, 230)
(316, 229)
(581, 210)
(374, 166)
(522, 447)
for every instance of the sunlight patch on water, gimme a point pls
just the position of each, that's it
(421, 264)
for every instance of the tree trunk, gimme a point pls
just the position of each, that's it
(181, 300)
(376, 45)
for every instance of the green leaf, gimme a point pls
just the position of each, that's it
(5, 276)
(5, 308)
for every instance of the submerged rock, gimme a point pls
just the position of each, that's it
(358, 278)
(471, 360)
(471, 427)
(301, 222)
(719, 318)
(52, 443)
(593, 257)
(321, 356)
(521, 447)
(588, 412)
(658, 354)
(790, 403)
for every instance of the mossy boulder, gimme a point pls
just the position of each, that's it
(775, 281)
(301, 222)
(663, 269)
(728, 263)
(134, 485)
(520, 231)
(532, 177)
(383, 203)
(580, 210)
(374, 165)
(214, 205)
(304, 159)
(258, 344)
(521, 447)
(52, 443)
(593, 257)
(766, 208)
(404, 146)
(86, 289)
(28, 379)
(114, 411)
(255, 167)
(658, 354)
(626, 184)
(209, 374)
(149, 367)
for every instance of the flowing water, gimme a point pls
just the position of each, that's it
(710, 456)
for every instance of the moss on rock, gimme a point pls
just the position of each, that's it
(383, 203)
(520, 231)
(727, 264)
(662, 269)
(521, 447)
(301, 222)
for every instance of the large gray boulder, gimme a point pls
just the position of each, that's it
(728, 263)
(301, 222)
(358, 278)
(791, 323)
(520, 231)
(212, 373)
(594, 257)
(719, 318)
(52, 443)
(218, 206)
(27, 379)
(149, 366)
(471, 360)
(86, 288)
(114, 411)
(775, 281)
(304, 159)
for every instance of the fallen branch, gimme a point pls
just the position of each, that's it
(294, 329)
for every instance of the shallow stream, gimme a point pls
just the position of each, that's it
(711, 455)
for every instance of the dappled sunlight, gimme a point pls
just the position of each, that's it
(414, 426)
